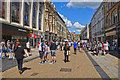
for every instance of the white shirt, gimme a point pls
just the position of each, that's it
(40, 48)
(106, 46)
(28, 44)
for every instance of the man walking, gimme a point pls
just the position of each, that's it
(75, 47)
(19, 55)
(41, 51)
(53, 48)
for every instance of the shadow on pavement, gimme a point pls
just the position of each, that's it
(25, 68)
(115, 53)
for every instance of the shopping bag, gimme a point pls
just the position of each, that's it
(69, 53)
(49, 49)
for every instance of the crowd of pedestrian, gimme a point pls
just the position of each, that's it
(15, 50)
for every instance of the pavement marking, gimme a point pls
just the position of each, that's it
(98, 68)
(65, 70)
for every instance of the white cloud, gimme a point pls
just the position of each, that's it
(78, 30)
(76, 26)
(67, 22)
(84, 3)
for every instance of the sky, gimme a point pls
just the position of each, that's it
(76, 14)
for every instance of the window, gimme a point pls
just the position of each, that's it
(40, 11)
(60, 27)
(2, 9)
(114, 17)
(119, 13)
(34, 14)
(26, 14)
(108, 21)
(108, 5)
(15, 9)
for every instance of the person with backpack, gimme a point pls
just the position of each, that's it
(53, 47)
(66, 52)
(99, 48)
(46, 52)
(41, 51)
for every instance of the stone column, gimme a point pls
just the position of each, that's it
(22, 13)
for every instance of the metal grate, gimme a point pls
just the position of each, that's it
(34, 74)
(65, 70)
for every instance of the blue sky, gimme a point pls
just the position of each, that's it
(76, 15)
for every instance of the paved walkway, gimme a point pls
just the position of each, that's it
(80, 64)
(108, 63)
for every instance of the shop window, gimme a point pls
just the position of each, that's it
(34, 14)
(114, 17)
(15, 9)
(2, 9)
(26, 13)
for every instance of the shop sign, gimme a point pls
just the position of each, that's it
(32, 35)
(22, 30)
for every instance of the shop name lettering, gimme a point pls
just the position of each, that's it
(22, 30)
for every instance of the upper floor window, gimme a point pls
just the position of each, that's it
(60, 27)
(26, 13)
(40, 13)
(15, 11)
(2, 9)
(114, 17)
(34, 14)
(119, 13)
(108, 5)
(108, 20)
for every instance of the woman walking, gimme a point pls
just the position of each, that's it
(66, 52)
(19, 55)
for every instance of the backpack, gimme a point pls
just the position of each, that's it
(100, 45)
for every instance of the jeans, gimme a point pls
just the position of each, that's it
(3, 50)
(9, 50)
(75, 50)
(41, 53)
(20, 62)
(53, 53)
(66, 57)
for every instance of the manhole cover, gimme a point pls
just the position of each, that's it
(65, 70)
(34, 74)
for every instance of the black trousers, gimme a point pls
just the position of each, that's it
(66, 57)
(20, 62)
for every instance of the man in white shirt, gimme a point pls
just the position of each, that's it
(41, 51)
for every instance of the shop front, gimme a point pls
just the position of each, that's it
(35, 38)
(10, 32)
(111, 37)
